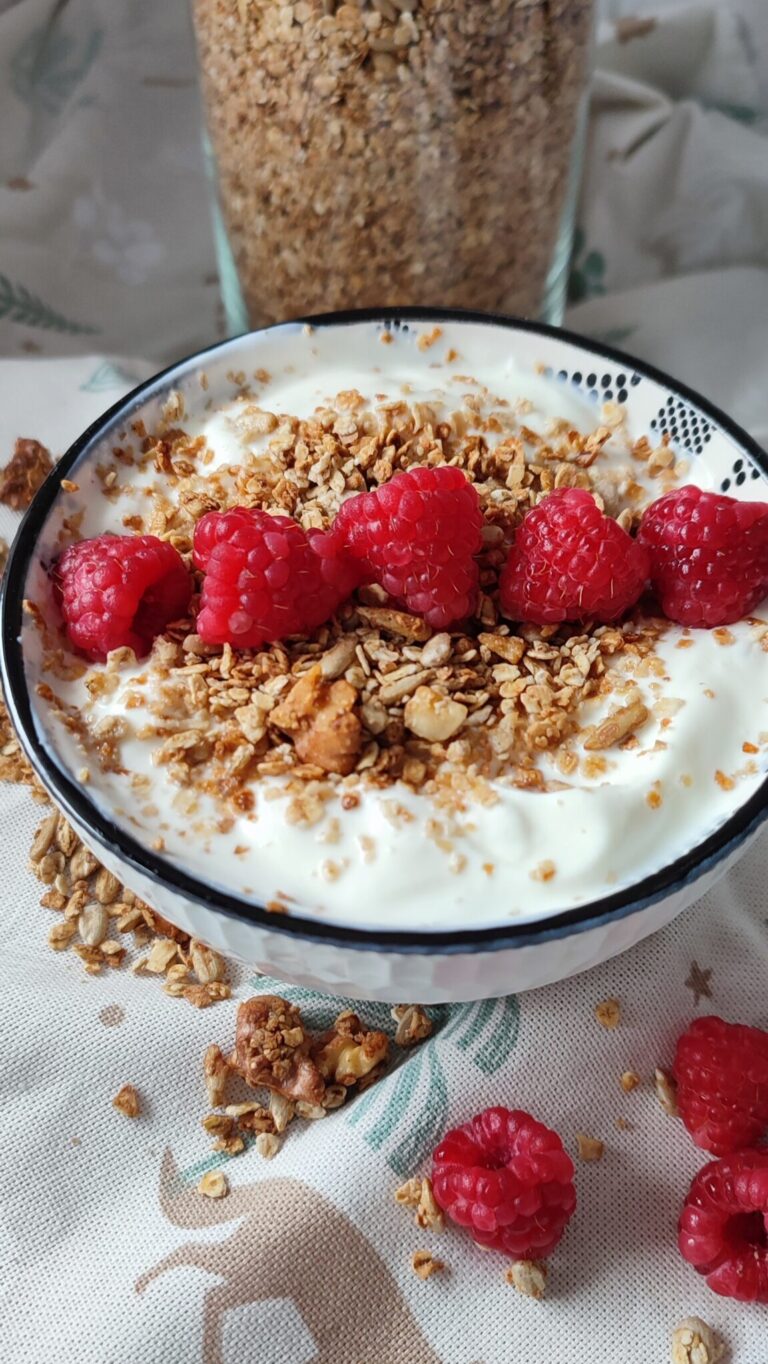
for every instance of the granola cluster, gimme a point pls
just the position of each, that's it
(382, 151)
(26, 471)
(375, 696)
(302, 1074)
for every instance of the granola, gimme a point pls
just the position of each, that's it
(302, 1074)
(529, 1277)
(424, 1264)
(25, 472)
(388, 96)
(694, 1342)
(94, 904)
(272, 1049)
(127, 1101)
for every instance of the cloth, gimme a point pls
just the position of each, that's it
(106, 272)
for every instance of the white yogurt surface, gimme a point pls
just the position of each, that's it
(602, 833)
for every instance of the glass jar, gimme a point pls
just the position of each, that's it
(393, 152)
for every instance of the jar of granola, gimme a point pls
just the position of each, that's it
(373, 152)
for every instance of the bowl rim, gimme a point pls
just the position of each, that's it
(691, 866)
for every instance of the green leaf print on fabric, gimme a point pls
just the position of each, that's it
(587, 271)
(416, 1103)
(18, 304)
(48, 67)
(107, 376)
(407, 1080)
(428, 1125)
(490, 1027)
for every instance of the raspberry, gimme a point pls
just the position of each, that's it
(709, 555)
(721, 1071)
(571, 562)
(120, 591)
(723, 1229)
(507, 1178)
(416, 536)
(265, 578)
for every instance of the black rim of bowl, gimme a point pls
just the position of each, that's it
(74, 800)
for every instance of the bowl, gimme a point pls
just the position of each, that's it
(383, 946)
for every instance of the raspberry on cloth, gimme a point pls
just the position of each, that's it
(507, 1178)
(721, 1071)
(724, 1226)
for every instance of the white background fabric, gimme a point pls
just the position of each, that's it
(105, 224)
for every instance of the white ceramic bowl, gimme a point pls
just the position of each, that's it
(430, 966)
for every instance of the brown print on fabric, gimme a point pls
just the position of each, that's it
(699, 982)
(292, 1243)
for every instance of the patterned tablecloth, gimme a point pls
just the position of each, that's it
(108, 1254)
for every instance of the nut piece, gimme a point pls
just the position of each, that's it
(424, 1264)
(428, 1215)
(508, 647)
(127, 1101)
(339, 658)
(693, 1342)
(216, 1072)
(61, 935)
(320, 718)
(436, 651)
(335, 1096)
(106, 887)
(629, 1081)
(213, 1185)
(590, 1148)
(617, 726)
(267, 1145)
(44, 836)
(434, 717)
(272, 1049)
(206, 964)
(347, 1053)
(666, 1092)
(529, 1277)
(310, 1112)
(162, 952)
(93, 925)
(83, 864)
(413, 1024)
(409, 1194)
(396, 622)
(608, 1013)
(225, 1130)
(282, 1111)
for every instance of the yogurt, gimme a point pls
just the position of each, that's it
(395, 857)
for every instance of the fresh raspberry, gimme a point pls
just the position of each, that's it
(709, 555)
(723, 1229)
(721, 1071)
(265, 578)
(507, 1178)
(571, 562)
(416, 536)
(120, 590)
